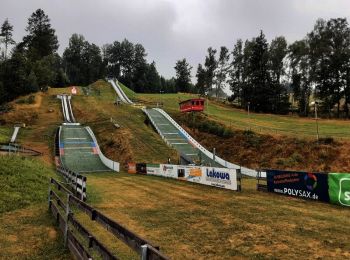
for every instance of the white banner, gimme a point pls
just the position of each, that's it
(218, 177)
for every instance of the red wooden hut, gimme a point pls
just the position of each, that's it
(192, 105)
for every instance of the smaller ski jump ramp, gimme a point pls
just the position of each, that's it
(79, 151)
(67, 108)
(123, 97)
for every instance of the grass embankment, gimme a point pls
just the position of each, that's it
(266, 151)
(5, 134)
(42, 117)
(133, 141)
(190, 221)
(261, 123)
(26, 227)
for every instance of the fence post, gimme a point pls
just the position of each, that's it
(144, 249)
(239, 178)
(66, 226)
(49, 197)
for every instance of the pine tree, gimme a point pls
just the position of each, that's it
(41, 40)
(6, 34)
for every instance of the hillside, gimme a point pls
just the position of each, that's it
(26, 228)
(261, 123)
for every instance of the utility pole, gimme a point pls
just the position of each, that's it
(316, 119)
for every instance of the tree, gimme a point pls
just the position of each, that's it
(6, 34)
(277, 54)
(222, 69)
(152, 79)
(329, 44)
(82, 60)
(236, 72)
(141, 71)
(259, 91)
(183, 75)
(126, 59)
(201, 80)
(32, 82)
(299, 55)
(41, 40)
(73, 59)
(210, 66)
(15, 74)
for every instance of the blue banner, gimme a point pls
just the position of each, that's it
(307, 185)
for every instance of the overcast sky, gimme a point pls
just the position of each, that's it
(174, 29)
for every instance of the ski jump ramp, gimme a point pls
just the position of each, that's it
(174, 135)
(123, 97)
(177, 137)
(67, 108)
(78, 147)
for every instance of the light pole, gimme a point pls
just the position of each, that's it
(315, 103)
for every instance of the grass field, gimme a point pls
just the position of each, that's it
(191, 221)
(26, 228)
(263, 123)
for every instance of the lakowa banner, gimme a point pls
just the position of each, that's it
(218, 177)
(306, 185)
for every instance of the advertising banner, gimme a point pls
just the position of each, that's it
(153, 169)
(217, 177)
(131, 167)
(339, 188)
(306, 185)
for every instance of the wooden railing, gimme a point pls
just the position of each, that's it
(85, 242)
(75, 181)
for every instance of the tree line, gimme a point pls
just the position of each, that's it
(33, 64)
(262, 75)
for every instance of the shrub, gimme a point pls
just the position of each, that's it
(326, 140)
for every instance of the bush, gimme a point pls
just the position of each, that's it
(326, 140)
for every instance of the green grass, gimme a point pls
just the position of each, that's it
(5, 134)
(26, 228)
(23, 182)
(130, 93)
(264, 123)
(192, 221)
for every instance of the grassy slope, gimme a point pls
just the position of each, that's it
(134, 141)
(26, 228)
(5, 134)
(192, 221)
(264, 123)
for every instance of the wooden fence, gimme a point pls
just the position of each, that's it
(80, 241)
(75, 181)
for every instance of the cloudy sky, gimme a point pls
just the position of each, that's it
(174, 29)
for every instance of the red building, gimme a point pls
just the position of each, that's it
(192, 105)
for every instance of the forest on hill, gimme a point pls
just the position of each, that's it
(261, 75)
